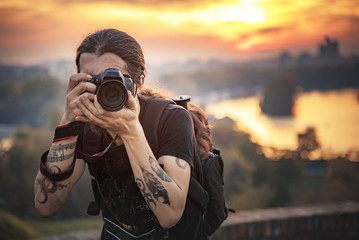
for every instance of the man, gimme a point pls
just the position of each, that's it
(142, 195)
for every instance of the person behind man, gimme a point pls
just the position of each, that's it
(143, 196)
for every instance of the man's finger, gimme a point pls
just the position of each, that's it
(131, 102)
(88, 109)
(76, 79)
(83, 87)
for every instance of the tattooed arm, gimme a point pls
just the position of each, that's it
(164, 189)
(50, 196)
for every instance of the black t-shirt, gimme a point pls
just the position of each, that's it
(122, 203)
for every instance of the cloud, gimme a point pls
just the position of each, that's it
(153, 4)
(261, 32)
(270, 30)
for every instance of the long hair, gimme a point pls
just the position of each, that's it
(201, 130)
(118, 43)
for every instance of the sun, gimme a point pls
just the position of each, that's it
(242, 11)
(245, 12)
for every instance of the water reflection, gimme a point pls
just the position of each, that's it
(334, 115)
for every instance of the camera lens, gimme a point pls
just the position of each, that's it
(112, 95)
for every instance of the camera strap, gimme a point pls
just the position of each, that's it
(55, 177)
(68, 131)
(99, 154)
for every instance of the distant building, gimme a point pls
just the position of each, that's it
(305, 59)
(328, 53)
(329, 50)
(285, 59)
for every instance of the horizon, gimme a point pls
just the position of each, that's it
(315, 55)
(178, 31)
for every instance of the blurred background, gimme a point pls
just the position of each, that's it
(279, 79)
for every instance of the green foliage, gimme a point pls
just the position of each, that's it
(13, 228)
(30, 101)
(19, 166)
(342, 182)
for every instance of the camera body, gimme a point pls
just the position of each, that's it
(111, 89)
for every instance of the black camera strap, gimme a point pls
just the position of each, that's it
(68, 131)
(55, 177)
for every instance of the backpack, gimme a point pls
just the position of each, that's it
(207, 192)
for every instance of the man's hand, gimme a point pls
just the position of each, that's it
(122, 122)
(79, 86)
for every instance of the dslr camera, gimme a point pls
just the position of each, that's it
(111, 89)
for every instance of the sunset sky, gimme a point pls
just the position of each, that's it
(36, 31)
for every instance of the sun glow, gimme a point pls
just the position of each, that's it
(243, 12)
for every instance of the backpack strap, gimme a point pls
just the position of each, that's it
(151, 119)
(154, 112)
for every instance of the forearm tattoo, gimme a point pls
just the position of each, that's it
(65, 147)
(159, 171)
(147, 196)
(57, 153)
(156, 189)
(47, 187)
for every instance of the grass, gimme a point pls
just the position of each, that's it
(11, 227)
(50, 226)
(14, 228)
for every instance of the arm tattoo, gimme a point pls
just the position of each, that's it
(147, 196)
(53, 157)
(154, 186)
(48, 187)
(159, 171)
(57, 153)
(65, 147)
(184, 166)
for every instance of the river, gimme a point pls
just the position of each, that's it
(333, 114)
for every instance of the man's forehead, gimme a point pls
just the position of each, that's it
(93, 64)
